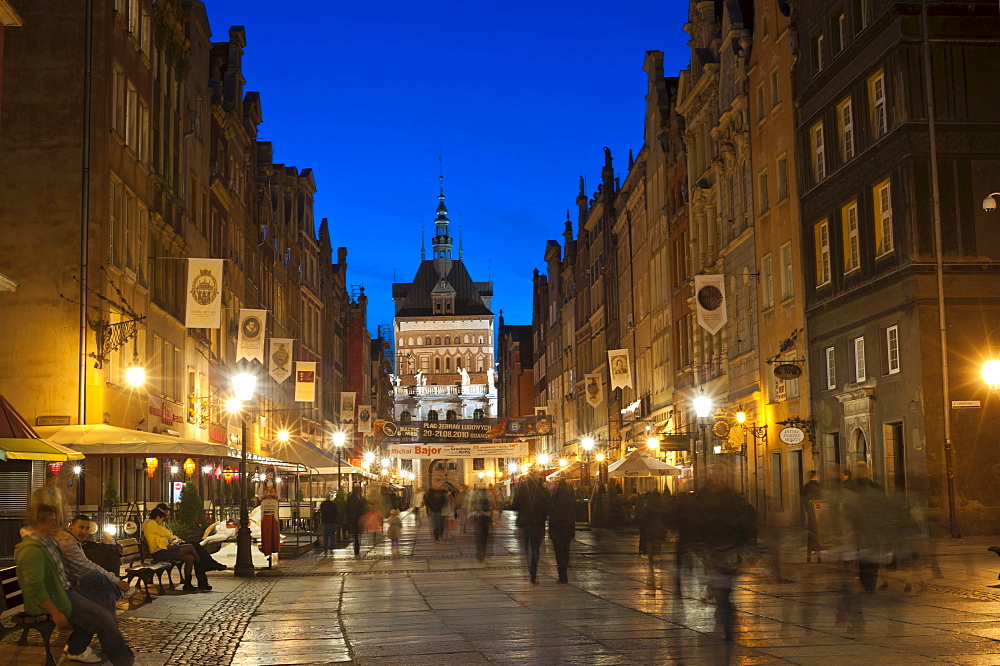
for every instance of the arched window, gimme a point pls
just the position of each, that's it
(480, 339)
(447, 340)
(427, 341)
(469, 363)
(409, 341)
(466, 339)
(432, 415)
(451, 415)
(437, 364)
(447, 364)
(478, 414)
(401, 342)
(405, 417)
(437, 340)
(458, 363)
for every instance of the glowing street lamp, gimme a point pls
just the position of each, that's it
(135, 376)
(702, 409)
(991, 374)
(339, 438)
(512, 467)
(543, 459)
(283, 435)
(243, 384)
(652, 443)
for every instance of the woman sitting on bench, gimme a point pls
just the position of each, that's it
(164, 546)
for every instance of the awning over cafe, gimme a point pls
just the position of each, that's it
(12, 448)
(301, 452)
(113, 441)
(569, 472)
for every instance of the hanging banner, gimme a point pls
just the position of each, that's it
(499, 450)
(479, 430)
(621, 368)
(364, 418)
(250, 343)
(710, 295)
(347, 406)
(305, 381)
(280, 358)
(204, 294)
(594, 390)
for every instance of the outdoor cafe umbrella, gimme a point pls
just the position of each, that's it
(19, 441)
(639, 463)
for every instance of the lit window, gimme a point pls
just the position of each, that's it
(876, 95)
(859, 359)
(852, 245)
(845, 120)
(892, 349)
(831, 369)
(818, 154)
(822, 253)
(883, 218)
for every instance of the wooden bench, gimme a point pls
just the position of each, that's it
(134, 567)
(12, 601)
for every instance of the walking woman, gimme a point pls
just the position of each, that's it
(562, 527)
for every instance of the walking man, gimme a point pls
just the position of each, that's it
(532, 502)
(329, 514)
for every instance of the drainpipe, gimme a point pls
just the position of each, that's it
(85, 211)
(939, 266)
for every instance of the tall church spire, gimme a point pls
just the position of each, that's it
(442, 241)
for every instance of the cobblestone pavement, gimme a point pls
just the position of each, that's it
(435, 603)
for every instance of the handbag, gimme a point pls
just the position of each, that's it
(108, 556)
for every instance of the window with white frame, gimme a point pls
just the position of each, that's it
(852, 244)
(845, 119)
(876, 96)
(818, 154)
(883, 218)
(787, 274)
(822, 233)
(892, 349)
(831, 368)
(817, 52)
(767, 281)
(859, 359)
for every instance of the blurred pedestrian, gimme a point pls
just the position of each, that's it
(531, 502)
(356, 506)
(654, 523)
(329, 514)
(395, 529)
(481, 515)
(434, 501)
(811, 492)
(562, 527)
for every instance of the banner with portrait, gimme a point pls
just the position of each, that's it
(204, 294)
(250, 343)
(621, 368)
(710, 298)
(305, 381)
(347, 404)
(280, 358)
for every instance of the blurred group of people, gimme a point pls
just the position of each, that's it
(463, 509)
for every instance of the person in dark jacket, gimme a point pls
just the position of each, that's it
(356, 507)
(531, 502)
(562, 527)
(434, 501)
(329, 516)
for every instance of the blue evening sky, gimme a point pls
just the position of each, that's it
(519, 98)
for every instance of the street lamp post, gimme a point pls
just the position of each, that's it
(243, 388)
(76, 470)
(339, 438)
(702, 409)
(588, 446)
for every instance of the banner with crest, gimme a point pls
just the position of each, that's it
(204, 294)
(280, 358)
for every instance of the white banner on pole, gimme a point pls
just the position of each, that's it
(250, 343)
(594, 390)
(305, 381)
(710, 297)
(204, 294)
(364, 418)
(621, 368)
(347, 404)
(280, 358)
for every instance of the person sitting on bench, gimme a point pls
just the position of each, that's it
(96, 583)
(164, 546)
(46, 590)
(208, 563)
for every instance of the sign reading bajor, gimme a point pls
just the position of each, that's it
(499, 450)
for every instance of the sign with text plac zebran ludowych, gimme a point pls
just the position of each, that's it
(204, 294)
(621, 368)
(710, 296)
(460, 432)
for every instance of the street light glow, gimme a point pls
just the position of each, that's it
(234, 405)
(386, 462)
(173, 469)
(702, 406)
(339, 438)
(543, 459)
(652, 442)
(369, 457)
(135, 376)
(599, 457)
(77, 469)
(283, 435)
(563, 462)
(587, 443)
(244, 384)
(991, 374)
(512, 467)
(207, 469)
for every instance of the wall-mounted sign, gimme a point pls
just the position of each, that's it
(792, 435)
(965, 404)
(787, 371)
(52, 420)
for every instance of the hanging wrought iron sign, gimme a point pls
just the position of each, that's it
(787, 371)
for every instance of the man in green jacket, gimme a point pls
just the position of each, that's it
(46, 590)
